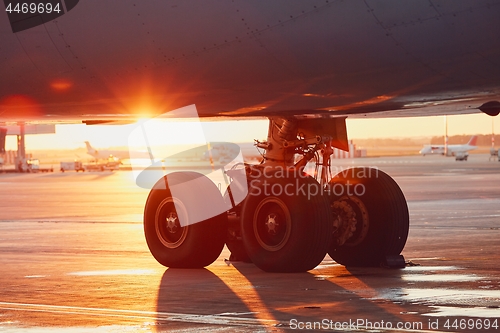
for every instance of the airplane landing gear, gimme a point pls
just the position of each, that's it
(275, 215)
(367, 219)
(370, 215)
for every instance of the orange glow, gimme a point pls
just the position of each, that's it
(21, 106)
(371, 101)
(61, 85)
(144, 97)
(358, 287)
(245, 110)
(249, 297)
(329, 95)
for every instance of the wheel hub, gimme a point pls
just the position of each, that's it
(272, 224)
(351, 227)
(172, 222)
(168, 227)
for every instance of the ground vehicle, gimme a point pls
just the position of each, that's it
(111, 165)
(72, 166)
(461, 156)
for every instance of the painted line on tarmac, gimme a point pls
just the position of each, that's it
(220, 319)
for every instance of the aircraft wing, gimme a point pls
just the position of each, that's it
(121, 60)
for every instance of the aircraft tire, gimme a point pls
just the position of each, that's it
(192, 246)
(283, 232)
(381, 217)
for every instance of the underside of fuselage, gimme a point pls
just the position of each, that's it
(109, 61)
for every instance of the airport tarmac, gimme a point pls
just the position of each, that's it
(73, 258)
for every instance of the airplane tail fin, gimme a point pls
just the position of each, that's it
(90, 149)
(473, 141)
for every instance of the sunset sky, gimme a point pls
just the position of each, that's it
(73, 136)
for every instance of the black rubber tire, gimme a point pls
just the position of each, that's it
(309, 226)
(194, 246)
(388, 218)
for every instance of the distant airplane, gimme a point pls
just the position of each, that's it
(223, 151)
(459, 151)
(105, 154)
